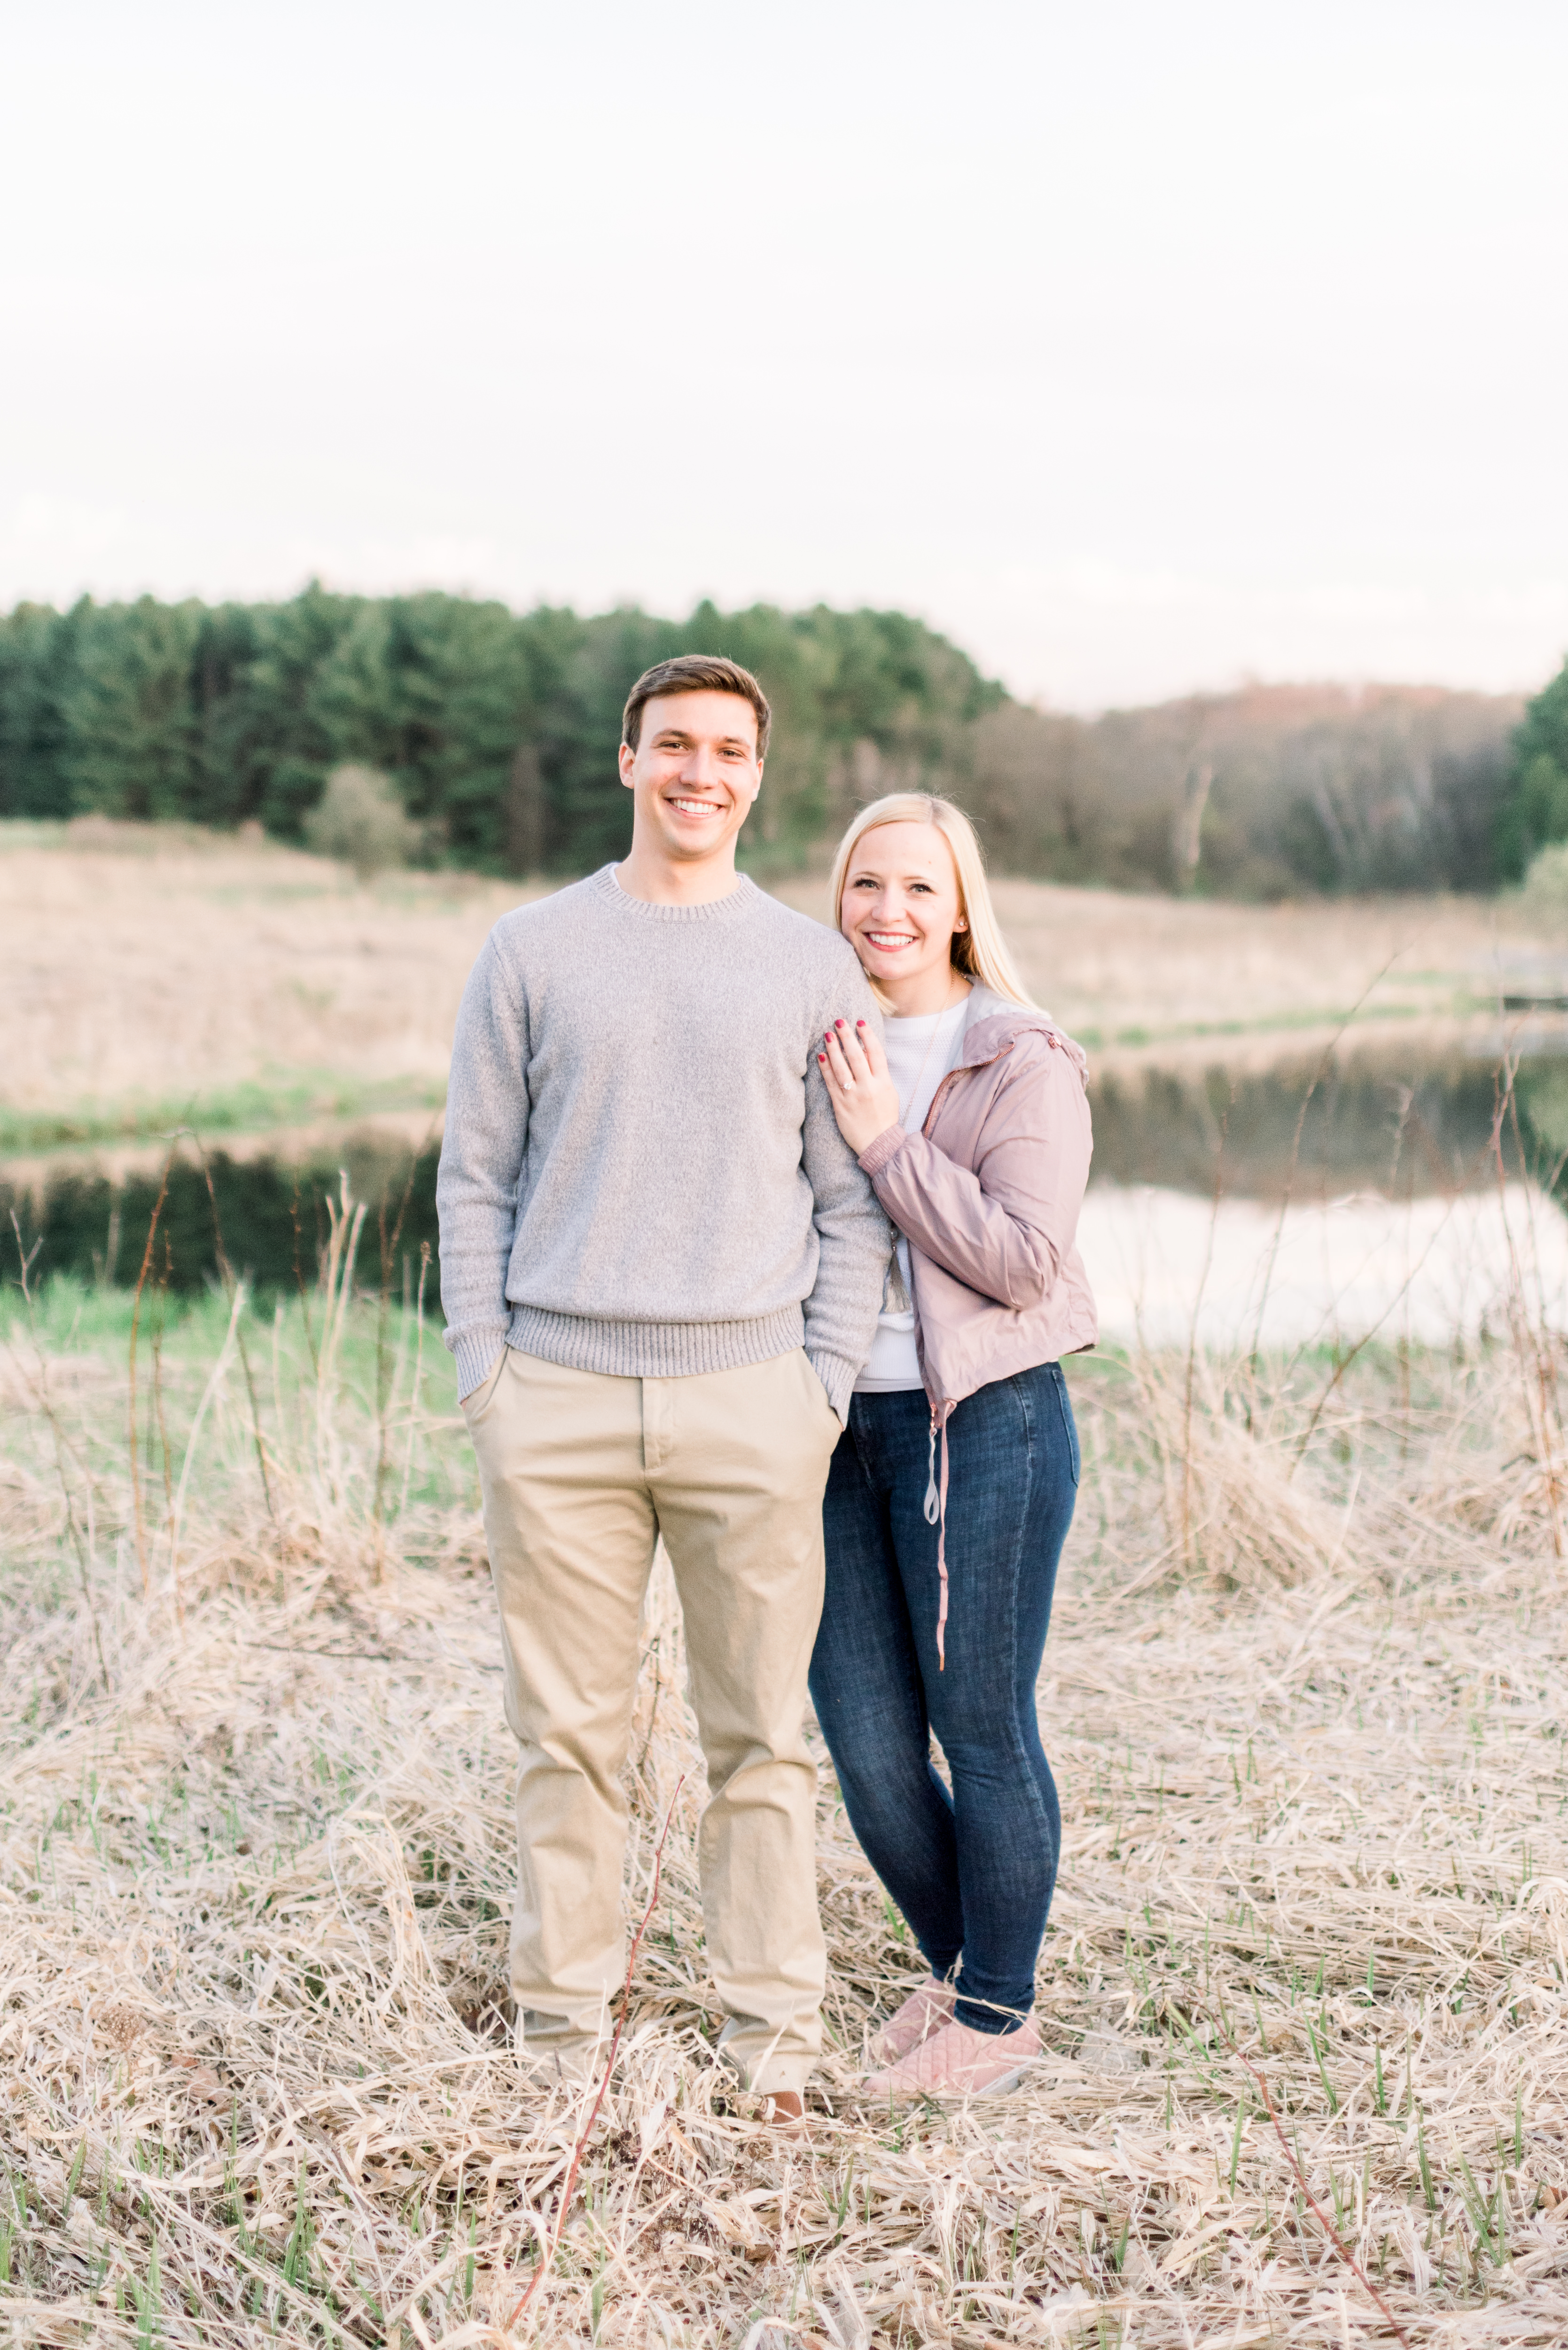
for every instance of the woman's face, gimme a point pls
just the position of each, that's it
(900, 905)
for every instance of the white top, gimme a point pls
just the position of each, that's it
(935, 1040)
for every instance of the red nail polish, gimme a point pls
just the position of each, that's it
(838, 1024)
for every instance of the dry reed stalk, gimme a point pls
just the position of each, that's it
(385, 1396)
(214, 1381)
(299, 1280)
(226, 1274)
(419, 1371)
(548, 2253)
(346, 1220)
(1230, 1506)
(1325, 2222)
(156, 1400)
(1520, 1314)
(1186, 1451)
(1293, 1163)
(135, 1321)
(1538, 1347)
(25, 1259)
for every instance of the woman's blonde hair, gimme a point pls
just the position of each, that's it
(980, 952)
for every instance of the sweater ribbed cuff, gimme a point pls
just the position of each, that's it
(837, 1377)
(475, 1354)
(876, 1155)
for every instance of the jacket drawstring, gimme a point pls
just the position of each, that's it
(937, 1515)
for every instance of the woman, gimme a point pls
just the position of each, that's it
(952, 1488)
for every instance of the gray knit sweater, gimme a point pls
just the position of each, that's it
(641, 1172)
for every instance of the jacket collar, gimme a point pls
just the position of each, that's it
(993, 1024)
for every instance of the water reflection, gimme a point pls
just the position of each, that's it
(272, 1215)
(1398, 1193)
(1166, 1266)
(1398, 1122)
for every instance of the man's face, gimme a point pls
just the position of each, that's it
(695, 771)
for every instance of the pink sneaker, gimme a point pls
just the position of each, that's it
(919, 2016)
(958, 2061)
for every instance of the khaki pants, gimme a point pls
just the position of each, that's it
(581, 1473)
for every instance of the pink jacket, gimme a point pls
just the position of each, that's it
(987, 1195)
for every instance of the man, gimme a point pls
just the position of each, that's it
(662, 1268)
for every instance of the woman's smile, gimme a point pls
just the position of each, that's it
(901, 908)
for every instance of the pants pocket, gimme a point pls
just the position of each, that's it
(818, 1396)
(1069, 1425)
(475, 1403)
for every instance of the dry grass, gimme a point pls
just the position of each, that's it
(205, 964)
(153, 974)
(1309, 1728)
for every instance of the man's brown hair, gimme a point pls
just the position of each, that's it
(695, 674)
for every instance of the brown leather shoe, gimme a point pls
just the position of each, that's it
(784, 2109)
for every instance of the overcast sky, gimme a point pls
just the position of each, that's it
(1137, 347)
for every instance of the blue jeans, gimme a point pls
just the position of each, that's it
(974, 1872)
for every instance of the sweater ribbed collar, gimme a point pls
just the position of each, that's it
(735, 902)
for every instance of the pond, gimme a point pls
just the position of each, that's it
(1168, 1267)
(1399, 1187)
(1404, 1194)
(1400, 1121)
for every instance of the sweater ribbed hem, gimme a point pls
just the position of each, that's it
(654, 1351)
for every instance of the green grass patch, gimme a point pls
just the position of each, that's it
(257, 1106)
(1462, 1007)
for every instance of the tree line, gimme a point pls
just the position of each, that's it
(498, 732)
(1268, 792)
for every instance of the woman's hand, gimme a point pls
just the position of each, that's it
(855, 1068)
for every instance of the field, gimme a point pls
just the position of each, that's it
(256, 1832)
(1306, 1994)
(155, 977)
